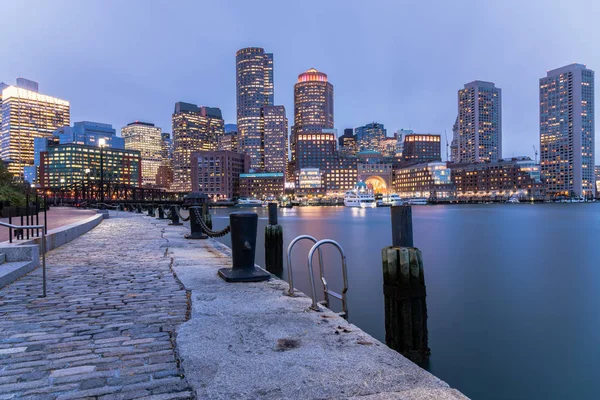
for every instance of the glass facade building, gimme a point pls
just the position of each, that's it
(194, 129)
(254, 90)
(567, 131)
(370, 136)
(431, 181)
(89, 133)
(64, 166)
(26, 115)
(148, 140)
(479, 122)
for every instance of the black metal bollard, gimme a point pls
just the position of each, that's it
(139, 209)
(161, 212)
(274, 243)
(195, 227)
(174, 216)
(244, 227)
(151, 210)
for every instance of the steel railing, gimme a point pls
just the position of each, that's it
(43, 228)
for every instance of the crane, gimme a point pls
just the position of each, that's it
(535, 152)
(446, 137)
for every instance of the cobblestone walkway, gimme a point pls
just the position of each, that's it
(105, 329)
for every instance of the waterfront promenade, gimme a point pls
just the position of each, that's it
(136, 311)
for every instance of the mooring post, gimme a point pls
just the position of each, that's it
(161, 212)
(151, 210)
(195, 224)
(404, 290)
(244, 227)
(274, 243)
(139, 209)
(174, 216)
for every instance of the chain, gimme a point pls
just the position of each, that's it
(183, 219)
(213, 234)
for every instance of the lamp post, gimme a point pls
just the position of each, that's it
(84, 189)
(62, 192)
(102, 143)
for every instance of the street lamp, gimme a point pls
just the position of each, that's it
(85, 195)
(62, 193)
(102, 143)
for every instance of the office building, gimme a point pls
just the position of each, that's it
(597, 172)
(431, 181)
(420, 148)
(229, 141)
(388, 146)
(89, 133)
(82, 168)
(316, 149)
(217, 173)
(255, 90)
(194, 129)
(230, 128)
(370, 136)
(479, 122)
(567, 131)
(313, 106)
(275, 139)
(499, 180)
(264, 185)
(454, 144)
(26, 115)
(341, 175)
(310, 182)
(148, 140)
(399, 135)
(347, 142)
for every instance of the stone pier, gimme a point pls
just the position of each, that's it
(136, 311)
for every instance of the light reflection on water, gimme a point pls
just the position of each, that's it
(512, 289)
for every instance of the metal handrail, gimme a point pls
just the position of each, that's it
(289, 265)
(326, 290)
(43, 228)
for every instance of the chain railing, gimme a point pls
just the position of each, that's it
(205, 229)
(183, 219)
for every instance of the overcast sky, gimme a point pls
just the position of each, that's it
(397, 62)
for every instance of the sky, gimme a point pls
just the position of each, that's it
(397, 62)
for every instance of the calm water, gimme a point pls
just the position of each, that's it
(513, 290)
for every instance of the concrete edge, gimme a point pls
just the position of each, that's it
(13, 270)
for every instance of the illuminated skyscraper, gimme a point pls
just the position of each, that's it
(567, 131)
(370, 136)
(147, 139)
(275, 138)
(27, 114)
(194, 129)
(254, 87)
(479, 122)
(313, 105)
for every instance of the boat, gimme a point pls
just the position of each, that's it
(360, 197)
(389, 200)
(416, 202)
(244, 202)
(513, 199)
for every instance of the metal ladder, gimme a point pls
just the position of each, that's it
(326, 291)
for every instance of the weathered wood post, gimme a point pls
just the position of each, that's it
(206, 217)
(404, 291)
(274, 243)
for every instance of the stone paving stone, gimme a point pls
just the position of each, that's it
(105, 329)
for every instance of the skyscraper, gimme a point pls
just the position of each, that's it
(254, 88)
(147, 139)
(194, 129)
(479, 122)
(89, 133)
(313, 105)
(275, 138)
(27, 114)
(567, 131)
(370, 136)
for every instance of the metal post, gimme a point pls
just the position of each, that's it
(174, 216)
(101, 174)
(45, 213)
(10, 231)
(27, 211)
(195, 227)
(37, 214)
(402, 232)
(272, 213)
(274, 243)
(44, 264)
(243, 249)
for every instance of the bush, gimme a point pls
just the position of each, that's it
(13, 196)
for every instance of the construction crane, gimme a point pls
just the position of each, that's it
(535, 152)
(446, 137)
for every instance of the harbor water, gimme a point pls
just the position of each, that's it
(512, 289)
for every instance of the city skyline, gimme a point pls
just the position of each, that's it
(390, 90)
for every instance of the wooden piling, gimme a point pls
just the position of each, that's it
(404, 291)
(274, 243)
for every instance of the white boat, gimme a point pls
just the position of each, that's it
(391, 200)
(416, 202)
(244, 202)
(513, 199)
(354, 198)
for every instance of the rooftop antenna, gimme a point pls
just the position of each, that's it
(446, 137)
(535, 152)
